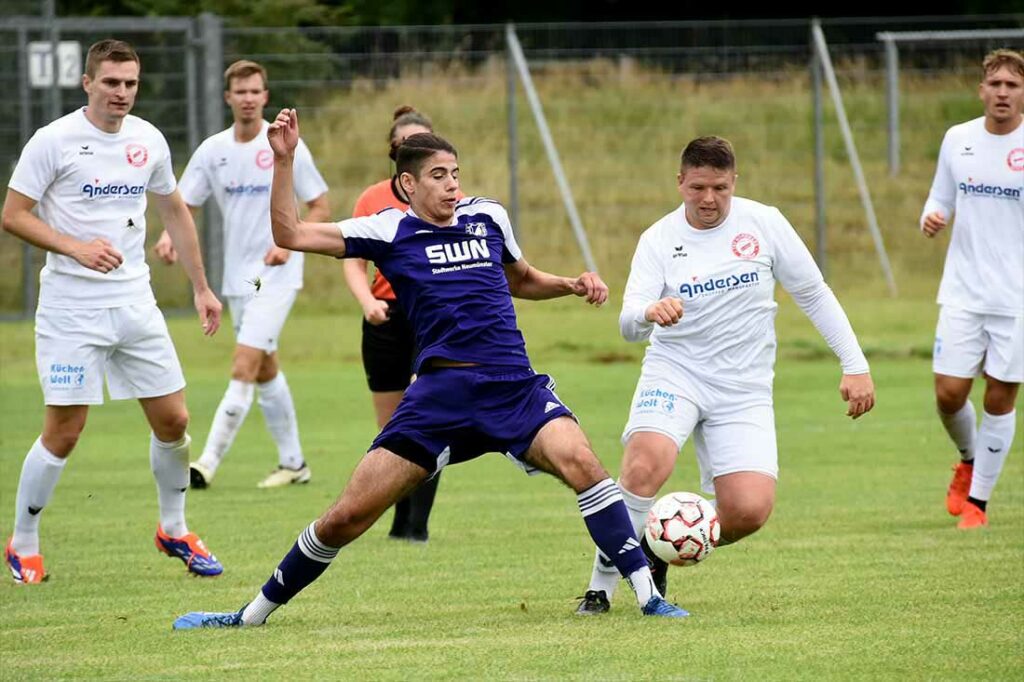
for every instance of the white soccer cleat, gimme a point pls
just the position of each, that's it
(282, 476)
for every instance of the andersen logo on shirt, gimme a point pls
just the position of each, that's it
(990, 191)
(246, 190)
(717, 285)
(112, 190)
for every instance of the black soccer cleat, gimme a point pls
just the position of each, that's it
(659, 568)
(593, 603)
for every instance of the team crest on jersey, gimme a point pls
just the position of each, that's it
(1015, 159)
(745, 246)
(264, 159)
(477, 229)
(136, 154)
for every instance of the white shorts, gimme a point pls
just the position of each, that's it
(729, 435)
(129, 345)
(259, 318)
(966, 343)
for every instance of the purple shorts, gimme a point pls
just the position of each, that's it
(454, 414)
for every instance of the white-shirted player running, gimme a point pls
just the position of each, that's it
(980, 179)
(261, 280)
(701, 288)
(88, 173)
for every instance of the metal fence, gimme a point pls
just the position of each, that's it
(313, 68)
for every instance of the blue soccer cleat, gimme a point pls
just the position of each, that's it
(190, 549)
(657, 606)
(207, 619)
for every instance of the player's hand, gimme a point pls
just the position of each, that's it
(99, 255)
(933, 223)
(665, 312)
(164, 249)
(209, 309)
(276, 256)
(284, 133)
(376, 313)
(591, 287)
(859, 392)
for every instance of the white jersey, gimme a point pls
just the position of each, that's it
(980, 178)
(92, 184)
(725, 278)
(238, 175)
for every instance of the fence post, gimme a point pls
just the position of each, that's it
(212, 38)
(892, 83)
(820, 253)
(513, 139)
(28, 252)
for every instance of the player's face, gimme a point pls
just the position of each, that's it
(1002, 93)
(707, 194)
(247, 97)
(112, 90)
(434, 193)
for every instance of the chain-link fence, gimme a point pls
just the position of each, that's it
(621, 100)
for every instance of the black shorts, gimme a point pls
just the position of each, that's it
(389, 351)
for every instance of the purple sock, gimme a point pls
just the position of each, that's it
(304, 563)
(608, 522)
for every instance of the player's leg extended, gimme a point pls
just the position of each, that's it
(275, 399)
(43, 465)
(744, 501)
(561, 449)
(230, 414)
(384, 405)
(995, 438)
(379, 479)
(647, 463)
(168, 458)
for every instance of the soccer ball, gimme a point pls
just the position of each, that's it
(682, 528)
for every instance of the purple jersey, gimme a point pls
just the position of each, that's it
(449, 280)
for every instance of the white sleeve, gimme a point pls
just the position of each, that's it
(822, 307)
(942, 196)
(309, 184)
(511, 252)
(370, 236)
(645, 286)
(162, 180)
(37, 166)
(792, 264)
(195, 183)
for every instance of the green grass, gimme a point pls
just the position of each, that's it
(859, 574)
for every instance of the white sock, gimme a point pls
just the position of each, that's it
(961, 427)
(605, 577)
(257, 611)
(169, 462)
(39, 476)
(643, 585)
(227, 421)
(279, 411)
(994, 440)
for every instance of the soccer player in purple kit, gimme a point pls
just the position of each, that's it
(455, 266)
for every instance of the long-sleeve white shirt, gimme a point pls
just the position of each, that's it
(725, 278)
(980, 179)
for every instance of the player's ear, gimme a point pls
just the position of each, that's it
(408, 182)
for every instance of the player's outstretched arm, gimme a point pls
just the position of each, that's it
(18, 219)
(289, 231)
(181, 228)
(526, 281)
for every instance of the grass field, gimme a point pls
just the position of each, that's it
(859, 574)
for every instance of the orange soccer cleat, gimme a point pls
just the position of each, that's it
(25, 569)
(191, 550)
(956, 496)
(973, 517)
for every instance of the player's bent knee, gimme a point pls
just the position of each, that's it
(172, 427)
(743, 518)
(341, 525)
(61, 443)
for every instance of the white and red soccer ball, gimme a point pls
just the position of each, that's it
(682, 528)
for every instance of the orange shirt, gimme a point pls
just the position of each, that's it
(375, 199)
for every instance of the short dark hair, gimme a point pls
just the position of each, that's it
(404, 116)
(416, 149)
(996, 59)
(109, 50)
(712, 151)
(244, 68)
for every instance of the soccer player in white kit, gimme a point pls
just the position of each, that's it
(701, 288)
(980, 179)
(261, 280)
(88, 173)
